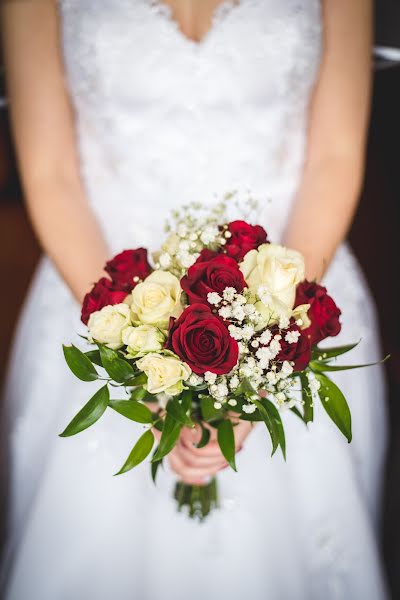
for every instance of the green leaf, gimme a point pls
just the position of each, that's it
(296, 411)
(205, 436)
(177, 411)
(135, 411)
(118, 369)
(208, 411)
(328, 353)
(270, 423)
(79, 364)
(306, 395)
(169, 437)
(274, 414)
(139, 452)
(321, 367)
(335, 404)
(226, 441)
(154, 467)
(139, 393)
(187, 398)
(89, 414)
(140, 379)
(94, 357)
(252, 417)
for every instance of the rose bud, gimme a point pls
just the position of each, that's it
(244, 237)
(323, 312)
(213, 275)
(127, 266)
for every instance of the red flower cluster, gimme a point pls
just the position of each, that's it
(244, 237)
(211, 273)
(123, 268)
(323, 312)
(127, 265)
(202, 340)
(298, 352)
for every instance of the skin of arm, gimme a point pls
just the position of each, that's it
(42, 121)
(331, 181)
(333, 172)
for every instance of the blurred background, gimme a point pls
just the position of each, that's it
(375, 238)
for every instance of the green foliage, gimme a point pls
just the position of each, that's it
(208, 411)
(135, 411)
(335, 404)
(226, 441)
(79, 363)
(270, 423)
(119, 369)
(205, 436)
(308, 408)
(89, 414)
(329, 353)
(176, 409)
(169, 437)
(94, 357)
(139, 452)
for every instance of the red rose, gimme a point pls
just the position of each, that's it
(323, 312)
(127, 265)
(244, 237)
(298, 352)
(212, 275)
(202, 340)
(102, 294)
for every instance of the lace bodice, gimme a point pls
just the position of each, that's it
(163, 120)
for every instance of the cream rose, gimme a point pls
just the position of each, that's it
(164, 373)
(272, 273)
(107, 325)
(157, 299)
(143, 339)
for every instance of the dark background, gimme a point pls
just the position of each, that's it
(374, 236)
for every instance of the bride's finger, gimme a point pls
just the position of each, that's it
(190, 475)
(197, 460)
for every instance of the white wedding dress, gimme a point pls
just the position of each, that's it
(162, 120)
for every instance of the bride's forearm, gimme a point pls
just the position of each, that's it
(323, 211)
(67, 230)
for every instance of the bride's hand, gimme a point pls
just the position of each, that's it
(196, 466)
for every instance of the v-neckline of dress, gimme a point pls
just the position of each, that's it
(220, 13)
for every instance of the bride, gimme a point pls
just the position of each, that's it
(121, 111)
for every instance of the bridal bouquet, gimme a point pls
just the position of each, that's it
(224, 327)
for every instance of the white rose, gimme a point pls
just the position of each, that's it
(157, 299)
(272, 273)
(143, 339)
(164, 373)
(107, 325)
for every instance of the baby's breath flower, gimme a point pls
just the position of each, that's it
(214, 298)
(229, 293)
(292, 337)
(225, 312)
(195, 379)
(249, 408)
(234, 382)
(209, 377)
(265, 337)
(238, 313)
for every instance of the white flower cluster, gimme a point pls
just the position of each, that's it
(191, 232)
(258, 349)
